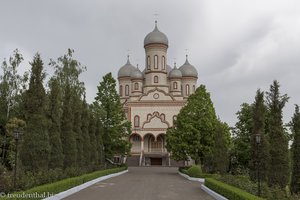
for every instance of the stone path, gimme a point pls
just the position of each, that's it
(144, 183)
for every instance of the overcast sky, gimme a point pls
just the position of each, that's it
(237, 46)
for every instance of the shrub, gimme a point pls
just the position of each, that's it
(195, 171)
(69, 182)
(229, 191)
(244, 183)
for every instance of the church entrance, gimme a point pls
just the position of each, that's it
(156, 161)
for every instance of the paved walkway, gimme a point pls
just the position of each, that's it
(144, 183)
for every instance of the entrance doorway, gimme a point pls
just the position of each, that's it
(156, 161)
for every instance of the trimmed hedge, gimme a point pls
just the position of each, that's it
(60, 186)
(229, 191)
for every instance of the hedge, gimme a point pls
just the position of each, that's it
(229, 191)
(60, 186)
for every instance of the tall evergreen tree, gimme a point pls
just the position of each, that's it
(99, 142)
(240, 154)
(195, 125)
(295, 183)
(220, 152)
(86, 145)
(55, 101)
(77, 110)
(116, 128)
(93, 142)
(259, 152)
(35, 148)
(279, 156)
(68, 136)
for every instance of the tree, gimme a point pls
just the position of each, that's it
(259, 152)
(220, 153)
(77, 110)
(35, 148)
(92, 134)
(295, 183)
(55, 101)
(12, 86)
(116, 128)
(279, 158)
(195, 126)
(240, 155)
(86, 142)
(68, 136)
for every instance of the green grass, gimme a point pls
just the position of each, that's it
(229, 191)
(60, 186)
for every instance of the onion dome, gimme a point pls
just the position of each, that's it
(126, 70)
(188, 70)
(136, 74)
(156, 37)
(175, 73)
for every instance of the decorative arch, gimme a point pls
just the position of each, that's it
(136, 86)
(156, 115)
(135, 135)
(148, 62)
(187, 89)
(121, 90)
(163, 62)
(150, 135)
(126, 90)
(175, 85)
(156, 89)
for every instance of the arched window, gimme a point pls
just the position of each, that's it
(163, 62)
(136, 138)
(187, 90)
(163, 117)
(121, 90)
(155, 79)
(136, 121)
(149, 116)
(126, 90)
(148, 62)
(175, 86)
(194, 88)
(136, 86)
(155, 62)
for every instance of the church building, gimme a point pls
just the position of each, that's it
(152, 98)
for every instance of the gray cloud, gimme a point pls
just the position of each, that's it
(237, 46)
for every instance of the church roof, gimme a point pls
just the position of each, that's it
(136, 74)
(126, 70)
(156, 37)
(188, 70)
(175, 73)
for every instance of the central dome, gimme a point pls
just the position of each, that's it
(156, 37)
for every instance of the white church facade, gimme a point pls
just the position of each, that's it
(152, 98)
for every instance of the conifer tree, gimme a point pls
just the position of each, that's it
(295, 183)
(68, 136)
(92, 134)
(221, 148)
(99, 131)
(116, 128)
(55, 101)
(35, 148)
(279, 156)
(259, 152)
(195, 126)
(86, 145)
(77, 110)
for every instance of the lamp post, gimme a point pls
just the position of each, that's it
(17, 137)
(258, 140)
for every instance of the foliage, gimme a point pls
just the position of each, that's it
(279, 163)
(240, 153)
(295, 183)
(34, 153)
(220, 153)
(229, 191)
(70, 182)
(108, 108)
(194, 171)
(56, 159)
(193, 133)
(259, 152)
